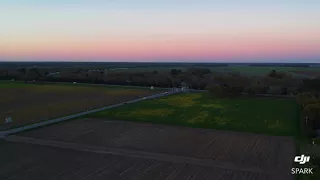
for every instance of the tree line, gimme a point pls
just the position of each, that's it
(221, 83)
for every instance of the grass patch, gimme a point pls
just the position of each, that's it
(267, 116)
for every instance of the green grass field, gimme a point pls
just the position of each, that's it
(267, 116)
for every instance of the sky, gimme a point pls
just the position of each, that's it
(160, 30)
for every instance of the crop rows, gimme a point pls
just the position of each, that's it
(266, 152)
(38, 162)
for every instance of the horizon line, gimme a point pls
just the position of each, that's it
(196, 62)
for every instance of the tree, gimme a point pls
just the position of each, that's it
(311, 115)
(216, 90)
(312, 84)
(194, 80)
(32, 74)
(22, 70)
(273, 73)
(175, 72)
(224, 90)
(275, 90)
(306, 98)
(95, 75)
(255, 88)
(198, 71)
(277, 75)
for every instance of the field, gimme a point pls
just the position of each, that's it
(67, 164)
(226, 155)
(29, 103)
(243, 69)
(174, 140)
(101, 146)
(267, 116)
(296, 71)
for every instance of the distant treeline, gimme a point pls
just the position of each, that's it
(224, 83)
(281, 65)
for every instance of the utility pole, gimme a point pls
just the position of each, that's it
(306, 120)
(48, 106)
(172, 82)
(8, 118)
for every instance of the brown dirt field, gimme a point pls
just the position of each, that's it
(34, 103)
(230, 150)
(49, 163)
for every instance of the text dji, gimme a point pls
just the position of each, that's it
(302, 159)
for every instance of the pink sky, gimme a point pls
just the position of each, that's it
(137, 34)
